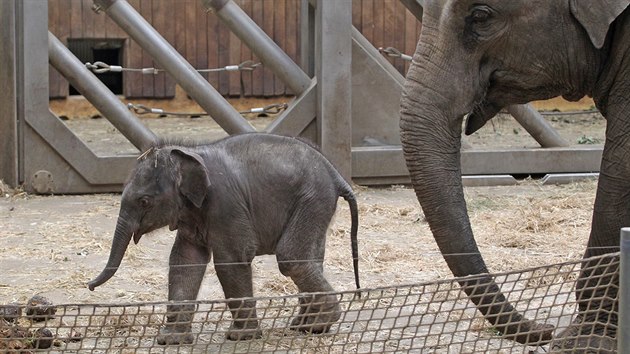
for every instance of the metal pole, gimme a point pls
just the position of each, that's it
(333, 63)
(537, 126)
(259, 42)
(166, 56)
(623, 329)
(8, 99)
(98, 94)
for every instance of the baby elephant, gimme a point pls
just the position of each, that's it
(237, 198)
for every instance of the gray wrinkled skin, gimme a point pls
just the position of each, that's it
(240, 197)
(474, 58)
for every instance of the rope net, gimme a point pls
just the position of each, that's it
(435, 317)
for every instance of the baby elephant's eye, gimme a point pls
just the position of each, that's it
(144, 202)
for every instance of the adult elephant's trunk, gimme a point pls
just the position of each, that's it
(122, 237)
(431, 137)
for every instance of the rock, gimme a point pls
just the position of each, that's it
(10, 312)
(39, 308)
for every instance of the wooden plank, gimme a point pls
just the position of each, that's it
(191, 26)
(234, 78)
(87, 18)
(159, 23)
(258, 74)
(279, 23)
(291, 33)
(357, 19)
(178, 9)
(133, 59)
(99, 30)
(379, 9)
(148, 81)
(268, 76)
(208, 46)
(411, 37)
(76, 21)
(367, 19)
(389, 27)
(399, 33)
(246, 54)
(54, 78)
(223, 54)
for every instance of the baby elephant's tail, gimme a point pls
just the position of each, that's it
(348, 195)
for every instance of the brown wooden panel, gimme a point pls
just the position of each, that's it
(356, 14)
(178, 11)
(268, 76)
(234, 78)
(55, 80)
(158, 14)
(411, 37)
(88, 19)
(379, 25)
(222, 53)
(279, 35)
(133, 81)
(258, 74)
(246, 54)
(367, 19)
(76, 19)
(148, 81)
(292, 36)
(191, 28)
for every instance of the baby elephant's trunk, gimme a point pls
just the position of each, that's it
(122, 237)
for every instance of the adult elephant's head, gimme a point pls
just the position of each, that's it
(474, 58)
(163, 183)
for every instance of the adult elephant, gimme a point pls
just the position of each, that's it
(474, 58)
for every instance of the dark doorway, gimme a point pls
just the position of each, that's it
(108, 51)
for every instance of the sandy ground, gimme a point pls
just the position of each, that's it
(54, 244)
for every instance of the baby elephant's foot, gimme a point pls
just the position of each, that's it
(317, 315)
(244, 330)
(171, 335)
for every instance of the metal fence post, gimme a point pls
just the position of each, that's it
(8, 99)
(333, 63)
(623, 334)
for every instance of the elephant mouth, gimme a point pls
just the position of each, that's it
(481, 114)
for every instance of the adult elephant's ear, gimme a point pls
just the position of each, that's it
(193, 179)
(596, 16)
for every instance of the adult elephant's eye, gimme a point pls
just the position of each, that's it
(480, 14)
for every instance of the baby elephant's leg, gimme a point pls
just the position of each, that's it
(300, 255)
(187, 266)
(236, 280)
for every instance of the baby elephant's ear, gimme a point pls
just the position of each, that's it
(596, 16)
(194, 181)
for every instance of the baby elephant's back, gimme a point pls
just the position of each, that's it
(284, 165)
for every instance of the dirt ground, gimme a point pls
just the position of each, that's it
(53, 245)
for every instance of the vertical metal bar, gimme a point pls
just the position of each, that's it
(168, 58)
(333, 55)
(8, 104)
(259, 42)
(98, 94)
(537, 126)
(623, 334)
(307, 37)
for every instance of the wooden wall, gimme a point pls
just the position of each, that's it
(206, 43)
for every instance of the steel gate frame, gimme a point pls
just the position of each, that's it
(41, 153)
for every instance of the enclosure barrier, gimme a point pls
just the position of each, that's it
(434, 317)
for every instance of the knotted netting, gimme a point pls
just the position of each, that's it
(433, 317)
